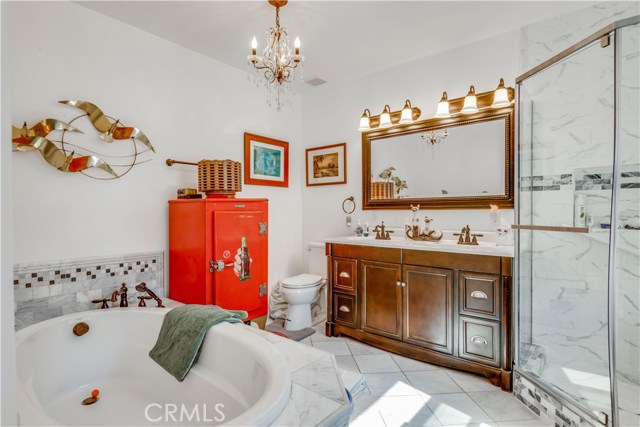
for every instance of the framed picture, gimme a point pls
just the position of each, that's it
(266, 161)
(327, 165)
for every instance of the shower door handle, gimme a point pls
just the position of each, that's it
(550, 228)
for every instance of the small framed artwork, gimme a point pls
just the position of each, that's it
(266, 161)
(327, 165)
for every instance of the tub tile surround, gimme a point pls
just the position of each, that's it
(50, 289)
(318, 396)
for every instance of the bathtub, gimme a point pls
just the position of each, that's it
(238, 378)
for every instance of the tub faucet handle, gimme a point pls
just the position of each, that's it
(142, 299)
(103, 301)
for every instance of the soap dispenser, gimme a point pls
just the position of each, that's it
(359, 230)
(579, 219)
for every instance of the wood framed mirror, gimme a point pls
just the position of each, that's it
(461, 162)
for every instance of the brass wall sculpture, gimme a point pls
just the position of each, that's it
(109, 130)
(56, 153)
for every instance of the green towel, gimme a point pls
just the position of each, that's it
(182, 333)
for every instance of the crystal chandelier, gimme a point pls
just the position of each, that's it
(277, 64)
(434, 137)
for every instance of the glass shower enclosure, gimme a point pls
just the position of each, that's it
(578, 214)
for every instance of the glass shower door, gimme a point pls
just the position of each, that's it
(626, 268)
(566, 152)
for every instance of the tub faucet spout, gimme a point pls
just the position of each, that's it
(122, 292)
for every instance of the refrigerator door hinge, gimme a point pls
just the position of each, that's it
(262, 290)
(262, 228)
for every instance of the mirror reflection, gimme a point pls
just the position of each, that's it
(457, 161)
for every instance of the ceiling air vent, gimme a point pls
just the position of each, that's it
(316, 81)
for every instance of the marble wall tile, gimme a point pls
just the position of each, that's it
(551, 410)
(46, 290)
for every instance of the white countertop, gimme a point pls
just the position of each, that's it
(483, 248)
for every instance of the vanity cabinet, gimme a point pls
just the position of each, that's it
(428, 303)
(381, 298)
(449, 309)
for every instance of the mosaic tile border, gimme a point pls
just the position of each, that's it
(43, 291)
(30, 275)
(584, 181)
(551, 410)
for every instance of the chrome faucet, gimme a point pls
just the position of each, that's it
(465, 237)
(381, 234)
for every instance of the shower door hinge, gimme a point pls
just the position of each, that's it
(605, 41)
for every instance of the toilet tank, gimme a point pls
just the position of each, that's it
(315, 259)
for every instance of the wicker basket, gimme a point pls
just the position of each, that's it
(381, 190)
(219, 176)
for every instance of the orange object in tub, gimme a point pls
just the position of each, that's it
(204, 238)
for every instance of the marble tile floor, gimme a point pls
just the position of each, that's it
(406, 392)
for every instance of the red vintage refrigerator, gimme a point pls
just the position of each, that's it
(204, 236)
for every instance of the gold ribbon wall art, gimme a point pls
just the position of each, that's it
(66, 156)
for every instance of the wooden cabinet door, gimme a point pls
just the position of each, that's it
(381, 298)
(428, 308)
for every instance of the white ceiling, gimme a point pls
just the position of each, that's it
(341, 40)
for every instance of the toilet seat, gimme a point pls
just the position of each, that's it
(302, 281)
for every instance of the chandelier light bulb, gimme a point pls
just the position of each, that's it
(385, 117)
(443, 107)
(365, 124)
(254, 45)
(500, 96)
(470, 102)
(406, 116)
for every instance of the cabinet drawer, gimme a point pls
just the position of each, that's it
(480, 341)
(479, 294)
(344, 274)
(344, 309)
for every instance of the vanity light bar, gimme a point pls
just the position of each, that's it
(472, 103)
(387, 118)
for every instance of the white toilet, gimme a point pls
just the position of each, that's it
(300, 291)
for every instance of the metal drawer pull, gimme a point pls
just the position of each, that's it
(478, 294)
(345, 275)
(345, 309)
(479, 340)
(403, 284)
(398, 283)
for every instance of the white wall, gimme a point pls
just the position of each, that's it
(331, 114)
(191, 107)
(7, 337)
